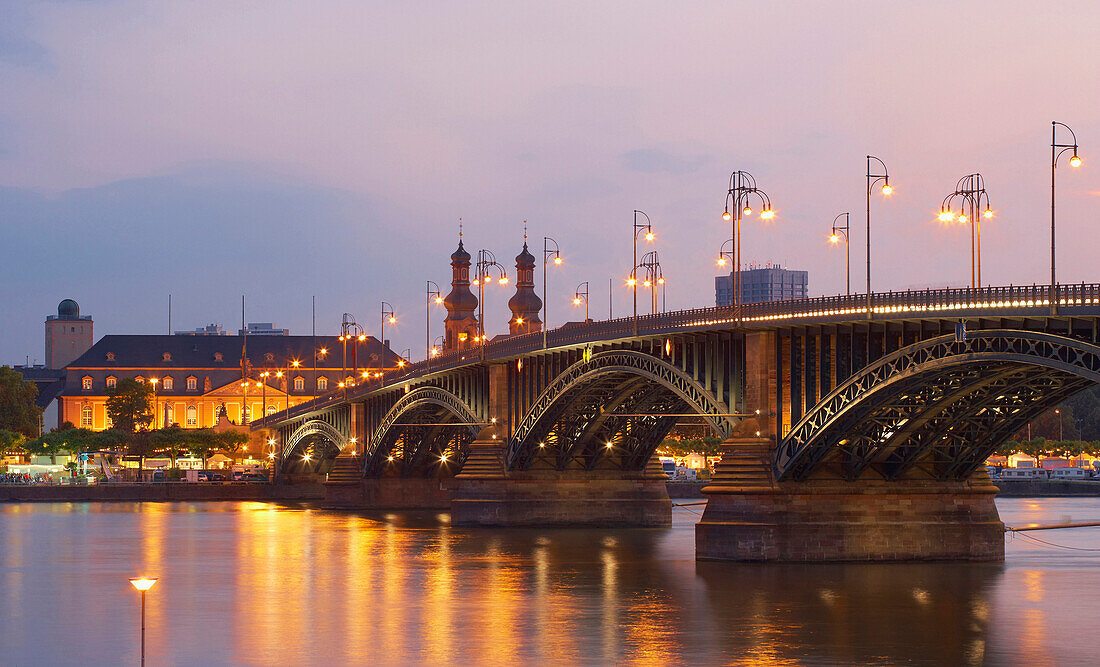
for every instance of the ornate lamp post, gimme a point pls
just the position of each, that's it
(387, 316)
(581, 294)
(873, 179)
(654, 277)
(647, 227)
(486, 264)
(1056, 150)
(741, 194)
(547, 253)
(971, 191)
(430, 294)
(839, 232)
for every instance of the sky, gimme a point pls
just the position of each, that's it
(284, 150)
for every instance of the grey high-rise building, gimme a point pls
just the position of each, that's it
(760, 285)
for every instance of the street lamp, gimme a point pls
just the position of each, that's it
(971, 190)
(887, 190)
(387, 316)
(633, 282)
(430, 294)
(581, 294)
(654, 277)
(1056, 150)
(143, 584)
(486, 262)
(740, 196)
(841, 232)
(547, 253)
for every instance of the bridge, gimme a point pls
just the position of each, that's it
(853, 428)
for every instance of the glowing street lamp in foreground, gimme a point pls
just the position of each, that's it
(143, 584)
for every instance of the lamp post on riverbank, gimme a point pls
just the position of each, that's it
(143, 584)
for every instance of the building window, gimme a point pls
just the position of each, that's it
(168, 382)
(139, 379)
(110, 356)
(270, 410)
(192, 383)
(169, 415)
(112, 382)
(218, 356)
(166, 356)
(86, 383)
(299, 383)
(192, 416)
(86, 416)
(322, 383)
(269, 357)
(108, 422)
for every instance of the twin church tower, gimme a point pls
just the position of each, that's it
(461, 325)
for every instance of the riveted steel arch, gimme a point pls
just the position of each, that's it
(410, 403)
(628, 363)
(948, 400)
(330, 435)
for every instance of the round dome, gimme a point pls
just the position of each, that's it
(68, 310)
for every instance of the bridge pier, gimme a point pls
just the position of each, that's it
(752, 517)
(488, 495)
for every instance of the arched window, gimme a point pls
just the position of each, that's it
(299, 383)
(192, 416)
(271, 410)
(168, 382)
(167, 356)
(349, 381)
(86, 416)
(192, 383)
(218, 356)
(322, 383)
(86, 382)
(139, 379)
(112, 382)
(169, 415)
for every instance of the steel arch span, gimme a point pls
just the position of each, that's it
(608, 411)
(940, 406)
(323, 437)
(426, 433)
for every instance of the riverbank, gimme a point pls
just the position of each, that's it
(162, 492)
(1039, 488)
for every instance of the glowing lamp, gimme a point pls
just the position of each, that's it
(649, 236)
(661, 281)
(721, 261)
(646, 283)
(726, 216)
(988, 213)
(834, 238)
(632, 282)
(1075, 161)
(503, 280)
(887, 190)
(439, 299)
(945, 216)
(557, 260)
(393, 320)
(143, 583)
(767, 214)
(576, 301)
(962, 217)
(747, 210)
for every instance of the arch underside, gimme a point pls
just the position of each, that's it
(608, 401)
(937, 409)
(318, 440)
(426, 434)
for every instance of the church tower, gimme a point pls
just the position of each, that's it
(461, 323)
(525, 304)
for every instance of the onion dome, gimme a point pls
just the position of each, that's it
(525, 304)
(460, 255)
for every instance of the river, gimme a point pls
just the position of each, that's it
(262, 583)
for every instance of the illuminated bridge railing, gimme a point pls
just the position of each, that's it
(950, 302)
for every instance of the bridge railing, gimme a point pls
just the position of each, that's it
(947, 300)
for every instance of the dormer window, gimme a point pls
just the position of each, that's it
(322, 383)
(112, 382)
(299, 383)
(218, 356)
(168, 382)
(167, 356)
(139, 379)
(86, 382)
(110, 356)
(269, 357)
(192, 383)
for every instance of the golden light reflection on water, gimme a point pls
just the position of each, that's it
(257, 583)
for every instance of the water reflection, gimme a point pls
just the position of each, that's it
(257, 583)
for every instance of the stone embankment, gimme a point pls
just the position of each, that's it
(162, 492)
(1041, 488)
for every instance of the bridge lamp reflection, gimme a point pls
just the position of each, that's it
(542, 444)
(306, 457)
(443, 458)
(609, 445)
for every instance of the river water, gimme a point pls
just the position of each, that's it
(261, 583)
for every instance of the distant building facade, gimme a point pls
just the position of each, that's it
(761, 285)
(199, 374)
(68, 334)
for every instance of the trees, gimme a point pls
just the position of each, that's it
(18, 412)
(130, 405)
(231, 442)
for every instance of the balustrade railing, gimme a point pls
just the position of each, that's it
(947, 300)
